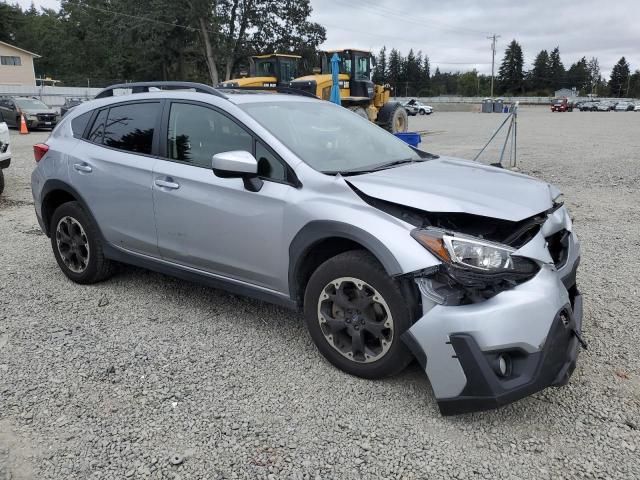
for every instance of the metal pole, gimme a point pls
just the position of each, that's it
(493, 39)
(492, 137)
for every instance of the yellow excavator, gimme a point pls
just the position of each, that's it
(357, 92)
(268, 71)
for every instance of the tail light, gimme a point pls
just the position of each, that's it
(39, 151)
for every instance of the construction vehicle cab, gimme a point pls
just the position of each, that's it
(268, 71)
(357, 92)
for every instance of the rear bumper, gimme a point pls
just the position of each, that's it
(4, 163)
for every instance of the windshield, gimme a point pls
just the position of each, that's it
(30, 103)
(266, 68)
(329, 138)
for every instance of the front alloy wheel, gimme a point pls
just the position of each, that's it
(355, 319)
(356, 314)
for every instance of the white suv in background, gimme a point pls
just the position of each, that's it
(5, 151)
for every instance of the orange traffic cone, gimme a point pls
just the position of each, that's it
(23, 125)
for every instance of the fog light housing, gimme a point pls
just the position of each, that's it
(502, 365)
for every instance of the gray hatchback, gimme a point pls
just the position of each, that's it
(391, 253)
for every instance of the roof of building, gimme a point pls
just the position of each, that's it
(21, 49)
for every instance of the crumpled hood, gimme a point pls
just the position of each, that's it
(453, 185)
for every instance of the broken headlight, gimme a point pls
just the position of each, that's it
(473, 254)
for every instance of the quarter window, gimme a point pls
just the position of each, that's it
(197, 133)
(97, 130)
(130, 127)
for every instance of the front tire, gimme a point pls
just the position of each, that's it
(1, 181)
(77, 245)
(355, 314)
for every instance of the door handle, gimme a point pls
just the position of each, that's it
(83, 167)
(167, 184)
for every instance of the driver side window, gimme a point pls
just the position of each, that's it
(197, 133)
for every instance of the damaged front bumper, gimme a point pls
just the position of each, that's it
(532, 329)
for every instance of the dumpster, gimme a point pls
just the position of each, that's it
(487, 105)
(497, 105)
(412, 138)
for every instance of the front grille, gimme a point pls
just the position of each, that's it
(558, 245)
(46, 117)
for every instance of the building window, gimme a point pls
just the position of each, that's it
(15, 61)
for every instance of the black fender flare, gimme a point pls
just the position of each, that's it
(318, 230)
(58, 185)
(385, 113)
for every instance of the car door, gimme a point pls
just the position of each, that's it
(8, 111)
(211, 223)
(112, 170)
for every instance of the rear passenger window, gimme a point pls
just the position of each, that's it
(79, 124)
(97, 130)
(197, 133)
(130, 127)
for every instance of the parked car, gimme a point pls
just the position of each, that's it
(392, 253)
(69, 103)
(624, 107)
(424, 109)
(561, 105)
(411, 108)
(5, 150)
(414, 107)
(605, 106)
(636, 107)
(37, 114)
(589, 106)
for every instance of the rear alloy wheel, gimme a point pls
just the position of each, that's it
(77, 245)
(356, 314)
(73, 244)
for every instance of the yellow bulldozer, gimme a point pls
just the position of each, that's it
(357, 92)
(268, 71)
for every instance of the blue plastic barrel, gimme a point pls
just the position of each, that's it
(412, 138)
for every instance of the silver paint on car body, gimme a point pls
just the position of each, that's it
(215, 227)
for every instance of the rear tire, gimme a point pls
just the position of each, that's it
(355, 314)
(77, 245)
(398, 120)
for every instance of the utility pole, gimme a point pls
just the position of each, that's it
(493, 39)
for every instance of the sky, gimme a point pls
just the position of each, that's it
(453, 32)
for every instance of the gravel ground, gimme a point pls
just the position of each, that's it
(145, 376)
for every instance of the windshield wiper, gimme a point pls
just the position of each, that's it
(374, 168)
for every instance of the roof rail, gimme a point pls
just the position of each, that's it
(288, 90)
(142, 87)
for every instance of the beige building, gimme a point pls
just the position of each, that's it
(16, 66)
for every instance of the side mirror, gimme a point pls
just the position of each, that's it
(238, 164)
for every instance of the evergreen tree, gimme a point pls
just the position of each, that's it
(425, 77)
(556, 69)
(511, 75)
(578, 76)
(619, 81)
(539, 78)
(395, 70)
(380, 72)
(412, 75)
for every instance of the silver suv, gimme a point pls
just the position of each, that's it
(391, 253)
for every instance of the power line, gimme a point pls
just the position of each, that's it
(407, 18)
